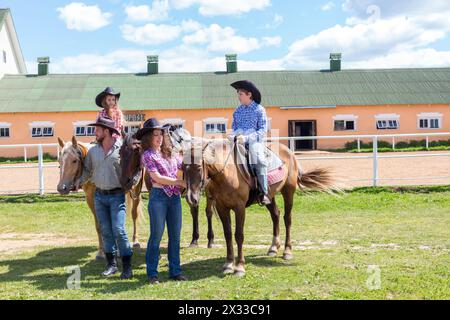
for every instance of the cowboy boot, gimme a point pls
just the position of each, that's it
(262, 181)
(111, 267)
(127, 272)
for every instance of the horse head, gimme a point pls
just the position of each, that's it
(130, 161)
(70, 165)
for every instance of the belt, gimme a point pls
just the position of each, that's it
(109, 192)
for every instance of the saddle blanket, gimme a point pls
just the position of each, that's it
(275, 176)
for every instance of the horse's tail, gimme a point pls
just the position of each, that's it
(319, 179)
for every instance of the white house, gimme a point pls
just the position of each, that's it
(11, 58)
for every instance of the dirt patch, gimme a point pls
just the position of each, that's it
(14, 242)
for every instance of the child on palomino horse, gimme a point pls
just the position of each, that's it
(164, 204)
(102, 168)
(109, 101)
(249, 127)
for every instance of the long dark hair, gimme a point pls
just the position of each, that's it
(166, 149)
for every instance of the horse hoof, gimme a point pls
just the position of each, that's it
(136, 245)
(287, 256)
(193, 245)
(272, 253)
(228, 271)
(239, 274)
(210, 245)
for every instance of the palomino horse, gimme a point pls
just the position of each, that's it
(71, 160)
(130, 155)
(212, 164)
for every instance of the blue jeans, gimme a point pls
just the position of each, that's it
(162, 209)
(111, 214)
(257, 159)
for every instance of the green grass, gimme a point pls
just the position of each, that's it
(46, 158)
(337, 238)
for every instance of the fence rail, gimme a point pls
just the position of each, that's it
(374, 156)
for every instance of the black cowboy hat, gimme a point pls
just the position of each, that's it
(101, 95)
(248, 86)
(149, 125)
(105, 122)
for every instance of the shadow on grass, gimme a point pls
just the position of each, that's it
(46, 271)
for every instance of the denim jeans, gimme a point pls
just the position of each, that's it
(257, 159)
(162, 209)
(111, 214)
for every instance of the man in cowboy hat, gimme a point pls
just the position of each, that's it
(249, 127)
(102, 167)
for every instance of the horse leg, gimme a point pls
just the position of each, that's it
(195, 232)
(209, 213)
(135, 213)
(239, 270)
(288, 196)
(275, 215)
(224, 215)
(90, 201)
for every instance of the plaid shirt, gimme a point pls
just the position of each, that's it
(251, 122)
(117, 116)
(153, 161)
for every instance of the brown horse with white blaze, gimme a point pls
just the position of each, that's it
(212, 164)
(71, 160)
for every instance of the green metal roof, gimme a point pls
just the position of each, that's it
(76, 92)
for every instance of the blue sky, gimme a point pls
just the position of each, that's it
(194, 35)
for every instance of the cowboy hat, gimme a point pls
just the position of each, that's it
(248, 86)
(107, 123)
(149, 125)
(101, 96)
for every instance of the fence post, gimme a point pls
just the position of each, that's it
(292, 144)
(359, 145)
(393, 143)
(427, 142)
(25, 154)
(375, 161)
(57, 152)
(41, 170)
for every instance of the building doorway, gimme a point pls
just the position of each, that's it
(303, 128)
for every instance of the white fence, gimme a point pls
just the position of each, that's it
(375, 155)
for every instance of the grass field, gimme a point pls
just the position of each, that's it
(403, 232)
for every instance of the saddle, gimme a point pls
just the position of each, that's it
(275, 170)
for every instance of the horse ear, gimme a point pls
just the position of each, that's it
(61, 142)
(74, 142)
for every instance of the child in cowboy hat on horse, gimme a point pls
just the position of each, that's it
(108, 99)
(249, 127)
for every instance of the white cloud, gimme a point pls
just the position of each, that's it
(150, 34)
(159, 11)
(221, 7)
(81, 17)
(277, 21)
(373, 40)
(224, 39)
(327, 6)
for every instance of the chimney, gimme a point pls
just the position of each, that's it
(43, 63)
(335, 61)
(152, 64)
(231, 63)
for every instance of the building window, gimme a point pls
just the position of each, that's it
(269, 124)
(82, 129)
(344, 125)
(344, 122)
(90, 131)
(4, 132)
(387, 124)
(4, 56)
(42, 132)
(387, 121)
(429, 121)
(215, 125)
(177, 123)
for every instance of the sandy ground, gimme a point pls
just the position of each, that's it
(348, 172)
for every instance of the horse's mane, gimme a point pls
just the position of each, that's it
(68, 148)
